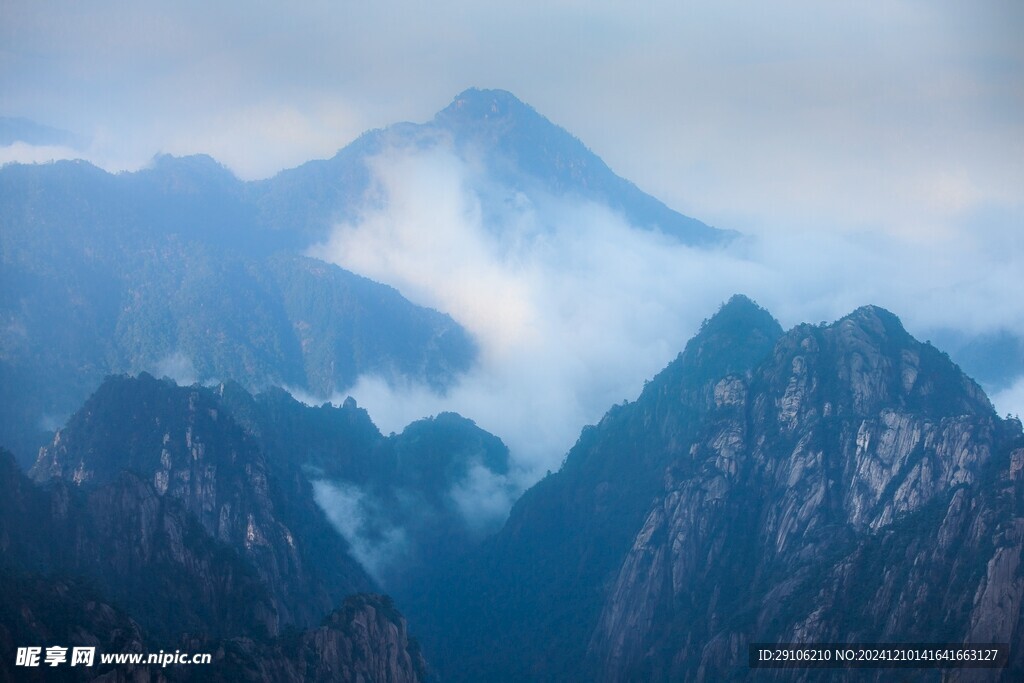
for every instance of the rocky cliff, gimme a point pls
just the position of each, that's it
(154, 500)
(781, 521)
(406, 501)
(364, 640)
(836, 483)
(176, 492)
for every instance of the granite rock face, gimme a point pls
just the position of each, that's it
(834, 483)
(781, 522)
(153, 499)
(162, 472)
(364, 640)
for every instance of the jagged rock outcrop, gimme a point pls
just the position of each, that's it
(408, 499)
(164, 472)
(836, 483)
(366, 640)
(843, 436)
(525, 606)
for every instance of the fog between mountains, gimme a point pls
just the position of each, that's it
(573, 308)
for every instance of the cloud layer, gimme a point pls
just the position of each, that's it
(574, 308)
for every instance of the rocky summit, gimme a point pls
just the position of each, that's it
(833, 483)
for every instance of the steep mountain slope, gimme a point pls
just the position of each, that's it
(809, 508)
(147, 553)
(837, 483)
(210, 495)
(165, 270)
(524, 608)
(152, 498)
(512, 149)
(163, 473)
(406, 501)
(183, 269)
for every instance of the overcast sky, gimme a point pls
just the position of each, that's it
(904, 116)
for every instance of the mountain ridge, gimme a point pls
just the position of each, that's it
(696, 519)
(181, 263)
(522, 148)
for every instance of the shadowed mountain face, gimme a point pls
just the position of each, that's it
(167, 474)
(365, 639)
(405, 501)
(829, 484)
(191, 511)
(181, 269)
(164, 270)
(211, 495)
(511, 148)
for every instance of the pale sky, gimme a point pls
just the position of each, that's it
(904, 116)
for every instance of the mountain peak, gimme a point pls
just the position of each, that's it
(740, 310)
(482, 104)
(878, 320)
(528, 149)
(880, 366)
(732, 341)
(197, 168)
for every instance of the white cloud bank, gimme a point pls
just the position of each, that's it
(574, 309)
(353, 514)
(1010, 401)
(24, 153)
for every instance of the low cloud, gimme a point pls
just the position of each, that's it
(574, 308)
(483, 498)
(352, 514)
(391, 531)
(24, 153)
(1010, 401)
(178, 367)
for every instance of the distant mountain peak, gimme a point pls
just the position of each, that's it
(526, 148)
(508, 139)
(740, 308)
(193, 169)
(499, 120)
(476, 103)
(164, 160)
(732, 341)
(877, 319)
